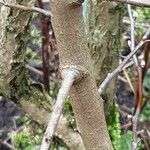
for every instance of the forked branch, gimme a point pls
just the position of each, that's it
(70, 75)
(111, 75)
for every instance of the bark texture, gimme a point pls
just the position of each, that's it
(104, 22)
(87, 104)
(103, 25)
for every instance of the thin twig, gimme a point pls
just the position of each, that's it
(62, 94)
(129, 81)
(123, 113)
(122, 79)
(26, 8)
(126, 126)
(6, 144)
(139, 99)
(45, 44)
(37, 71)
(129, 64)
(126, 109)
(139, 84)
(142, 25)
(134, 129)
(132, 45)
(146, 57)
(145, 142)
(111, 75)
(140, 3)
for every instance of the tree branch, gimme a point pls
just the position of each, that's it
(132, 45)
(45, 44)
(140, 3)
(139, 83)
(69, 137)
(62, 94)
(111, 75)
(26, 8)
(142, 25)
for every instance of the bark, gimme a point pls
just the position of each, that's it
(87, 104)
(103, 21)
(15, 84)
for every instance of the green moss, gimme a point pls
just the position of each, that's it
(58, 144)
(113, 126)
(69, 113)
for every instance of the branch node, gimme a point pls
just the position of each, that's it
(79, 71)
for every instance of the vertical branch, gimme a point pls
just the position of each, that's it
(45, 44)
(53, 43)
(139, 99)
(146, 57)
(139, 83)
(132, 46)
(73, 49)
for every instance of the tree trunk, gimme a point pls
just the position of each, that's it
(103, 21)
(87, 105)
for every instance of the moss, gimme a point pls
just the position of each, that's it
(38, 96)
(19, 82)
(113, 126)
(68, 111)
(112, 119)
